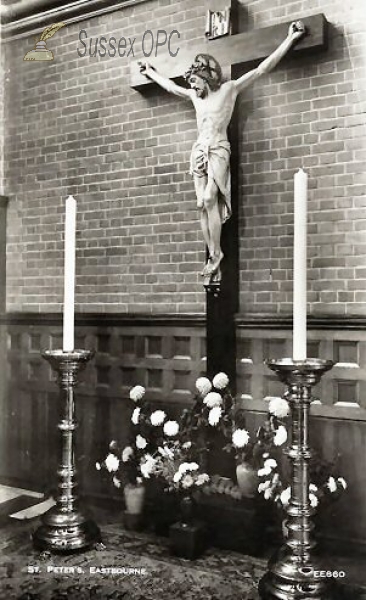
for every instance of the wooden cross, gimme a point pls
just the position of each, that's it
(232, 52)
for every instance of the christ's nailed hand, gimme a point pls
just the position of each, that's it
(296, 30)
(145, 68)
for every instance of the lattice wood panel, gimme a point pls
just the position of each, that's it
(342, 391)
(165, 359)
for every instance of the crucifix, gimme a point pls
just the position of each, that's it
(214, 155)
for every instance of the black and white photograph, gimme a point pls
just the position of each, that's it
(182, 299)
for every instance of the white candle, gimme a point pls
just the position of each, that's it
(300, 256)
(69, 275)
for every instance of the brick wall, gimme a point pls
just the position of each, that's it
(309, 113)
(2, 81)
(74, 126)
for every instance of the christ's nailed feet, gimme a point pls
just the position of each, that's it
(212, 264)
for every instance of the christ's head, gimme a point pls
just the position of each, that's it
(205, 73)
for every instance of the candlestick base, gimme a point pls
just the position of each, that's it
(294, 574)
(65, 532)
(64, 527)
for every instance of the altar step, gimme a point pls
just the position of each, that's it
(20, 504)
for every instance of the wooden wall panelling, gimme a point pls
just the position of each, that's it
(346, 439)
(341, 393)
(166, 360)
(337, 425)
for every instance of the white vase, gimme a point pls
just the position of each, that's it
(247, 478)
(134, 498)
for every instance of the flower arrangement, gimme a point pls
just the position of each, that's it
(274, 481)
(176, 464)
(180, 458)
(325, 487)
(211, 409)
(169, 450)
(269, 437)
(134, 462)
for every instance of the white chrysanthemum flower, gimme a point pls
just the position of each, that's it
(267, 493)
(157, 418)
(264, 471)
(186, 445)
(313, 487)
(203, 385)
(280, 436)
(183, 467)
(187, 481)
(186, 466)
(285, 496)
(193, 466)
(166, 452)
(112, 463)
(342, 482)
(332, 484)
(116, 482)
(98, 466)
(141, 443)
(265, 455)
(136, 415)
(147, 465)
(212, 399)
(202, 478)
(214, 415)
(177, 476)
(220, 381)
(240, 438)
(171, 428)
(137, 393)
(313, 500)
(270, 463)
(279, 407)
(264, 485)
(127, 453)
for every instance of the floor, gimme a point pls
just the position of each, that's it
(18, 504)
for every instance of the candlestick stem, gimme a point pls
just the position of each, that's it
(291, 575)
(64, 527)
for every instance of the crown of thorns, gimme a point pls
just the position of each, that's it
(206, 67)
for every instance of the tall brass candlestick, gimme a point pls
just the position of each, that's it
(292, 574)
(64, 527)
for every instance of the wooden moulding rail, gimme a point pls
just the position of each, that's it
(25, 17)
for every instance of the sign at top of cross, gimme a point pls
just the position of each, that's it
(214, 100)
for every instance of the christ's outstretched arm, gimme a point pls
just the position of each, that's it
(164, 82)
(295, 32)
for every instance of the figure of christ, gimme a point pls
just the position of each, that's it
(214, 101)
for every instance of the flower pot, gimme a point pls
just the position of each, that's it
(247, 479)
(188, 536)
(187, 505)
(134, 498)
